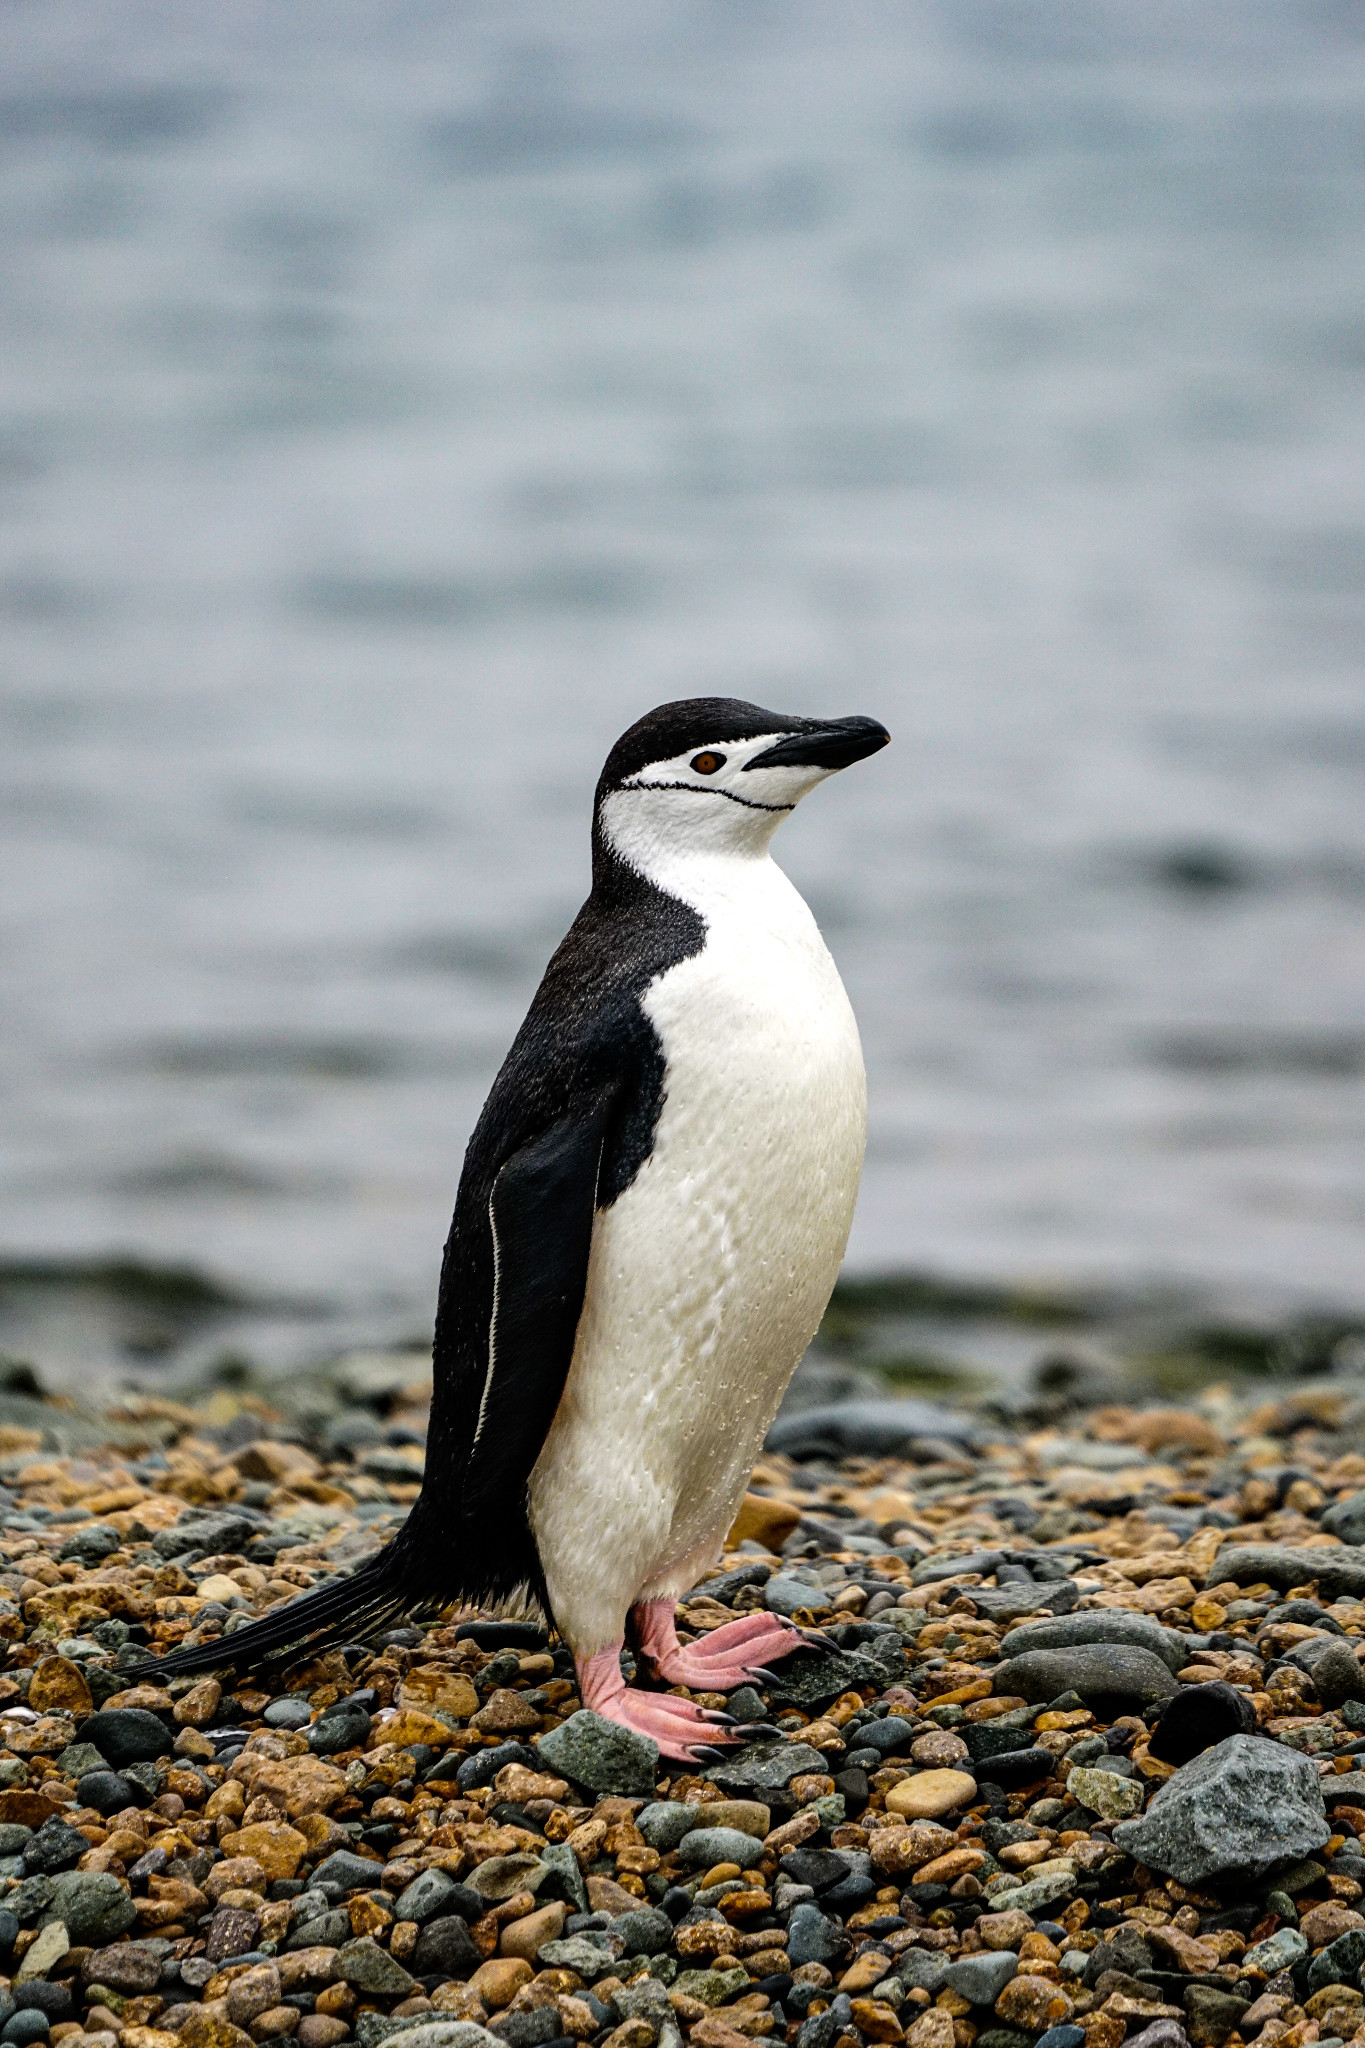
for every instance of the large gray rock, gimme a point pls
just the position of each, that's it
(1337, 1568)
(1239, 1809)
(935, 1568)
(1097, 1671)
(1034, 1894)
(92, 1905)
(1211, 2015)
(1109, 1625)
(499, 1877)
(206, 1534)
(601, 1755)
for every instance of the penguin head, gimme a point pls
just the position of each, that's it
(714, 774)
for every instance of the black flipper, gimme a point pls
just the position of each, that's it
(466, 1544)
(568, 1124)
(541, 1214)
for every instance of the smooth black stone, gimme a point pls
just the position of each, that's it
(339, 1728)
(1197, 1718)
(126, 1735)
(888, 1737)
(1016, 1767)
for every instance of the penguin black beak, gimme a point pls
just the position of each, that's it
(836, 745)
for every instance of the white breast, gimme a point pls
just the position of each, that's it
(709, 1276)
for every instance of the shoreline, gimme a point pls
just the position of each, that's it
(1075, 1765)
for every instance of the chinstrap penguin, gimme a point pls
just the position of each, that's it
(652, 1213)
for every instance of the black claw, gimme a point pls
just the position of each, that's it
(762, 1671)
(714, 1715)
(761, 1731)
(703, 1755)
(815, 1639)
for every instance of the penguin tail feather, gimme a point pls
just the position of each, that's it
(345, 1610)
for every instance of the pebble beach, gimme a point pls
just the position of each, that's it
(1073, 1761)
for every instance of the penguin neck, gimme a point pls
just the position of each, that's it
(703, 849)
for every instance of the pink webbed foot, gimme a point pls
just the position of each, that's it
(683, 1732)
(737, 1653)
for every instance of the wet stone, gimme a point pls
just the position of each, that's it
(812, 1938)
(339, 1728)
(1241, 1807)
(707, 1846)
(231, 1932)
(92, 1905)
(1198, 1718)
(982, 1978)
(368, 1968)
(423, 1899)
(1211, 2015)
(597, 1753)
(1112, 1625)
(126, 1735)
(1102, 1672)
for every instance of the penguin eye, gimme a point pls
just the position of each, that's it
(707, 764)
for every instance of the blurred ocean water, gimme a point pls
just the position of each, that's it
(398, 398)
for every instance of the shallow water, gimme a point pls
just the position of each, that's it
(396, 400)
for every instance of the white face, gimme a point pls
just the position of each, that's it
(706, 801)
